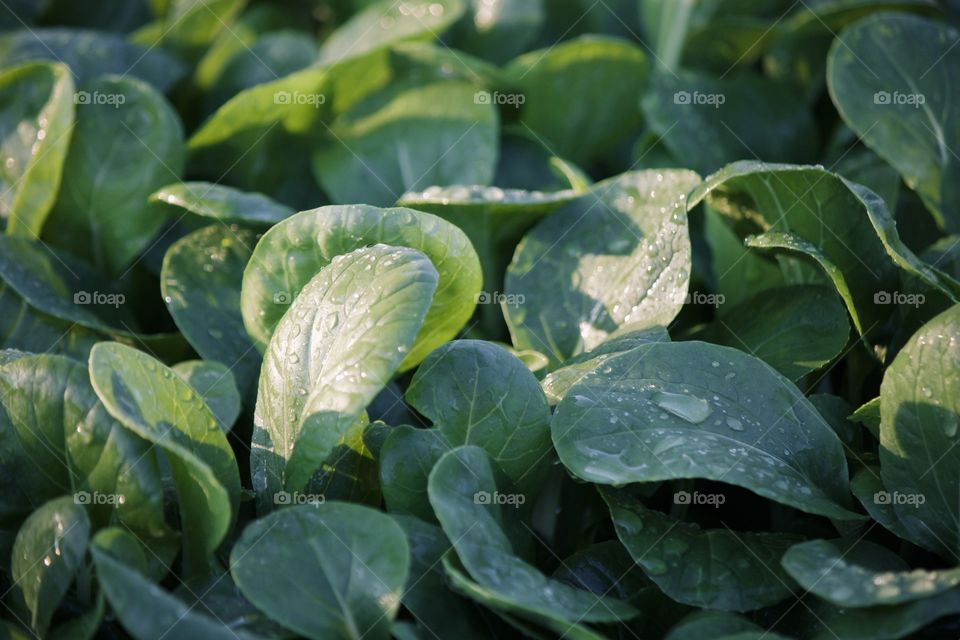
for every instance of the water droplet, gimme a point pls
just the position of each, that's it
(734, 424)
(688, 407)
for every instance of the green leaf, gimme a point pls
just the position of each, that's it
(407, 137)
(47, 553)
(716, 624)
(919, 407)
(709, 122)
(333, 571)
(816, 206)
(153, 402)
(671, 410)
(407, 457)
(201, 281)
(438, 612)
(888, 623)
(889, 78)
(862, 574)
(146, 611)
(219, 202)
(868, 414)
(23, 327)
(339, 344)
(738, 272)
(868, 488)
(498, 30)
(102, 209)
(618, 255)
(193, 24)
(507, 415)
(714, 568)
(473, 516)
(215, 384)
(795, 329)
(580, 96)
(293, 251)
(36, 119)
(385, 22)
(91, 54)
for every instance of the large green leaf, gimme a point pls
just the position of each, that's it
(817, 206)
(477, 393)
(862, 574)
(216, 385)
(406, 459)
(220, 202)
(47, 553)
(61, 439)
(101, 211)
(331, 571)
(709, 122)
(90, 54)
(292, 252)
(386, 22)
(153, 402)
(201, 281)
(36, 120)
(795, 329)
(889, 76)
(670, 410)
(619, 254)
(339, 344)
(146, 611)
(920, 413)
(605, 75)
(714, 569)
(465, 492)
(407, 137)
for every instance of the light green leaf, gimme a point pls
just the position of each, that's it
(506, 414)
(47, 553)
(292, 252)
(201, 280)
(795, 329)
(407, 137)
(153, 402)
(36, 120)
(215, 384)
(862, 574)
(580, 96)
(229, 205)
(102, 208)
(473, 511)
(714, 568)
(671, 410)
(619, 254)
(889, 77)
(339, 344)
(920, 413)
(336, 570)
